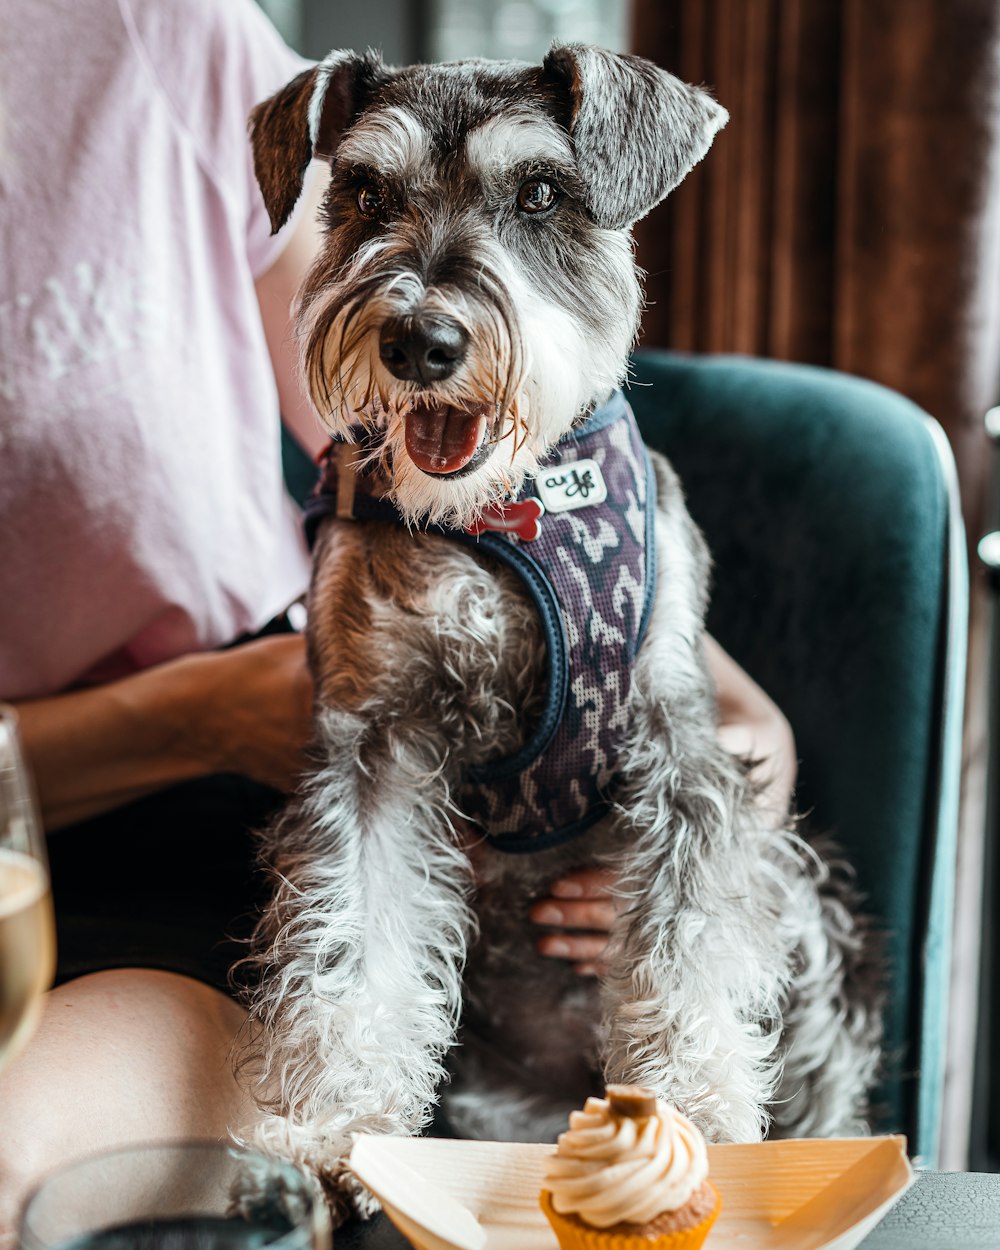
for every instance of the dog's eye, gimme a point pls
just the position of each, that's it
(370, 202)
(536, 196)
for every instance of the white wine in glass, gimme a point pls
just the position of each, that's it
(27, 927)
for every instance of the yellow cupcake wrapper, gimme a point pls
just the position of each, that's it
(573, 1237)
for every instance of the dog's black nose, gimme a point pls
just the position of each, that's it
(422, 348)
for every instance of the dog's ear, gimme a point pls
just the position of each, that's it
(636, 129)
(304, 119)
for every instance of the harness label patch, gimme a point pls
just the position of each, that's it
(577, 484)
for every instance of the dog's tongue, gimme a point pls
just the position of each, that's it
(443, 439)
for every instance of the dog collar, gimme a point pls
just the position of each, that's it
(352, 485)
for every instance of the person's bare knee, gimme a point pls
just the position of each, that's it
(119, 1057)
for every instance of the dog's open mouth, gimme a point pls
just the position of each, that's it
(444, 439)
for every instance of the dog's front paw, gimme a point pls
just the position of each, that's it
(347, 1197)
(266, 1193)
(322, 1155)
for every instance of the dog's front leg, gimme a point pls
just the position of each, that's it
(699, 965)
(700, 962)
(360, 953)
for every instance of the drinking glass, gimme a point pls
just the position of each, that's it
(186, 1195)
(27, 928)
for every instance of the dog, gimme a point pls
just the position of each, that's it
(464, 334)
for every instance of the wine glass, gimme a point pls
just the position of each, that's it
(27, 926)
(179, 1195)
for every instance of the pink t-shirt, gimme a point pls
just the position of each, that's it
(142, 510)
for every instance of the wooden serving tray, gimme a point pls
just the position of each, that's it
(789, 1195)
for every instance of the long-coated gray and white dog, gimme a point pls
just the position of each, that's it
(506, 636)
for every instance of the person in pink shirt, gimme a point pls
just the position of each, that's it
(149, 552)
(145, 356)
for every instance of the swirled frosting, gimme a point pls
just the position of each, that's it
(612, 1168)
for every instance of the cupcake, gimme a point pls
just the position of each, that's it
(629, 1174)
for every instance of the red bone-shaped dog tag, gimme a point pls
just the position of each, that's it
(522, 518)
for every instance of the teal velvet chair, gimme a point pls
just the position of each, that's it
(840, 584)
(830, 509)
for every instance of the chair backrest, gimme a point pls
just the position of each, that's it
(830, 507)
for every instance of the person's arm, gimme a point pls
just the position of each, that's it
(276, 292)
(752, 727)
(246, 710)
(582, 905)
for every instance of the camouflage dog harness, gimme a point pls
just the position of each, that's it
(580, 535)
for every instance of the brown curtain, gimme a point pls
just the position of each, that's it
(849, 215)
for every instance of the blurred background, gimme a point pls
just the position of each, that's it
(849, 217)
(445, 30)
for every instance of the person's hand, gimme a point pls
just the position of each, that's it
(581, 909)
(254, 711)
(245, 710)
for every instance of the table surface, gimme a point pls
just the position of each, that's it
(943, 1211)
(940, 1211)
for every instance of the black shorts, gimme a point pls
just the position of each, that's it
(167, 882)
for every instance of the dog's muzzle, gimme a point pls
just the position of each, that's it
(441, 439)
